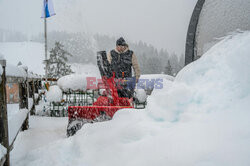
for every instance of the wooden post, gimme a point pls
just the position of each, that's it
(4, 132)
(33, 109)
(25, 125)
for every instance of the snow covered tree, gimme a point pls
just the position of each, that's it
(57, 63)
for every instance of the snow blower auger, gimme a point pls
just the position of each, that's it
(105, 106)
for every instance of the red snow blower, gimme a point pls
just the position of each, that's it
(105, 106)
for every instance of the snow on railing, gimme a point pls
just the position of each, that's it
(12, 118)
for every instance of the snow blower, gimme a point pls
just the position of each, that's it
(105, 106)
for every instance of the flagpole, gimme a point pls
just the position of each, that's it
(48, 11)
(46, 48)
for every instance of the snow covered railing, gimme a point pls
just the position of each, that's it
(14, 119)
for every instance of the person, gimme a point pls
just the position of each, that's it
(122, 60)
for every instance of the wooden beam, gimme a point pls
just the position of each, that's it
(50, 79)
(4, 132)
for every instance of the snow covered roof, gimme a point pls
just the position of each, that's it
(19, 53)
(30, 54)
(18, 71)
(15, 71)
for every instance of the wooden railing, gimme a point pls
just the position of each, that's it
(23, 99)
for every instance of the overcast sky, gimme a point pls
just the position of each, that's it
(162, 23)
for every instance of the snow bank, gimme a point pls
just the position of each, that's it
(3, 151)
(54, 94)
(16, 118)
(200, 119)
(151, 82)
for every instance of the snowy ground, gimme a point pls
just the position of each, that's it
(43, 131)
(200, 119)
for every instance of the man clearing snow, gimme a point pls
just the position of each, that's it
(122, 60)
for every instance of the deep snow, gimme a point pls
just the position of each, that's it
(200, 119)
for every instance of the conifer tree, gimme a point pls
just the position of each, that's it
(57, 63)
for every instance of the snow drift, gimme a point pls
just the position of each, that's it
(200, 119)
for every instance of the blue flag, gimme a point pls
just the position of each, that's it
(48, 9)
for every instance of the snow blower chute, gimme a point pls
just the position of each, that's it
(105, 106)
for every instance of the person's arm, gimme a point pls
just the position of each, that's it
(109, 57)
(136, 67)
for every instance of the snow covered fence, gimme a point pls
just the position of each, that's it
(16, 86)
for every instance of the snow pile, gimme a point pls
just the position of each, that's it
(73, 82)
(3, 151)
(54, 94)
(16, 118)
(78, 80)
(200, 119)
(151, 82)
